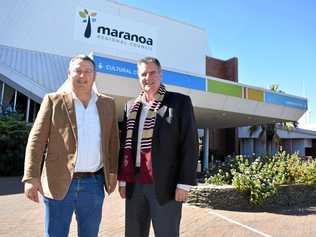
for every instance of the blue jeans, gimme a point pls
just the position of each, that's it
(85, 197)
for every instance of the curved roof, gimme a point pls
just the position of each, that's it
(31, 72)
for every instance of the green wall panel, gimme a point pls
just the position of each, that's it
(224, 88)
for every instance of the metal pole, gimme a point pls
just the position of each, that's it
(206, 142)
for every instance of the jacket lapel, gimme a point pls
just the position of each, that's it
(67, 97)
(104, 116)
(159, 117)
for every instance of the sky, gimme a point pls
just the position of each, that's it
(274, 40)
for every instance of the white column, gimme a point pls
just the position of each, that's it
(206, 142)
(15, 98)
(34, 111)
(2, 93)
(27, 110)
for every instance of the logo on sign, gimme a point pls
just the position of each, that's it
(87, 18)
(114, 31)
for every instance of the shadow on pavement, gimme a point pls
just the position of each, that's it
(10, 185)
(298, 210)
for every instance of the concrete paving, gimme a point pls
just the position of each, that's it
(23, 218)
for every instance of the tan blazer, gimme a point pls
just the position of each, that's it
(55, 127)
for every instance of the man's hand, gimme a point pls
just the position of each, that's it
(122, 191)
(31, 189)
(112, 182)
(181, 195)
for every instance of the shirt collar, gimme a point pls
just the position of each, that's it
(93, 97)
(144, 101)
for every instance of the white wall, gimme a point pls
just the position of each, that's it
(50, 26)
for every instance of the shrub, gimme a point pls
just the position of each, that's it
(220, 178)
(261, 177)
(13, 138)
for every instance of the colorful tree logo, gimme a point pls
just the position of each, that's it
(87, 18)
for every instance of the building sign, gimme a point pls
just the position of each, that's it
(129, 70)
(108, 30)
(115, 67)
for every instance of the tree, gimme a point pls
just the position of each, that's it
(275, 88)
(269, 131)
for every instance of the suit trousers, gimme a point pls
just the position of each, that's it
(143, 207)
(84, 197)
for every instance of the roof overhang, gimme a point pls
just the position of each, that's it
(212, 108)
(217, 103)
(32, 73)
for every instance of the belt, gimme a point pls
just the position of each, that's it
(77, 175)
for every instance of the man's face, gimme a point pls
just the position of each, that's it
(149, 77)
(82, 75)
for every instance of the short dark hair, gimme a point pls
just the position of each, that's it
(84, 58)
(147, 60)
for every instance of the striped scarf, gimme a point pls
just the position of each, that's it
(127, 171)
(149, 123)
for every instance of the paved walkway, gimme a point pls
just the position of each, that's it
(22, 218)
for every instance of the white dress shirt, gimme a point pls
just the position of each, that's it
(143, 115)
(89, 135)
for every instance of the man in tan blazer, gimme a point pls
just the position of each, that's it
(72, 153)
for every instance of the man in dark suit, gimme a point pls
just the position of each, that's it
(158, 157)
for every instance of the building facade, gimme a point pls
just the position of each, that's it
(38, 38)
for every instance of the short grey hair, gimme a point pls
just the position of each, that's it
(84, 58)
(147, 60)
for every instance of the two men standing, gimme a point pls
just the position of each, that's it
(78, 130)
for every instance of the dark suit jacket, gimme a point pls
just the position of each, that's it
(174, 146)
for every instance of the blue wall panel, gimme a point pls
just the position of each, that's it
(274, 98)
